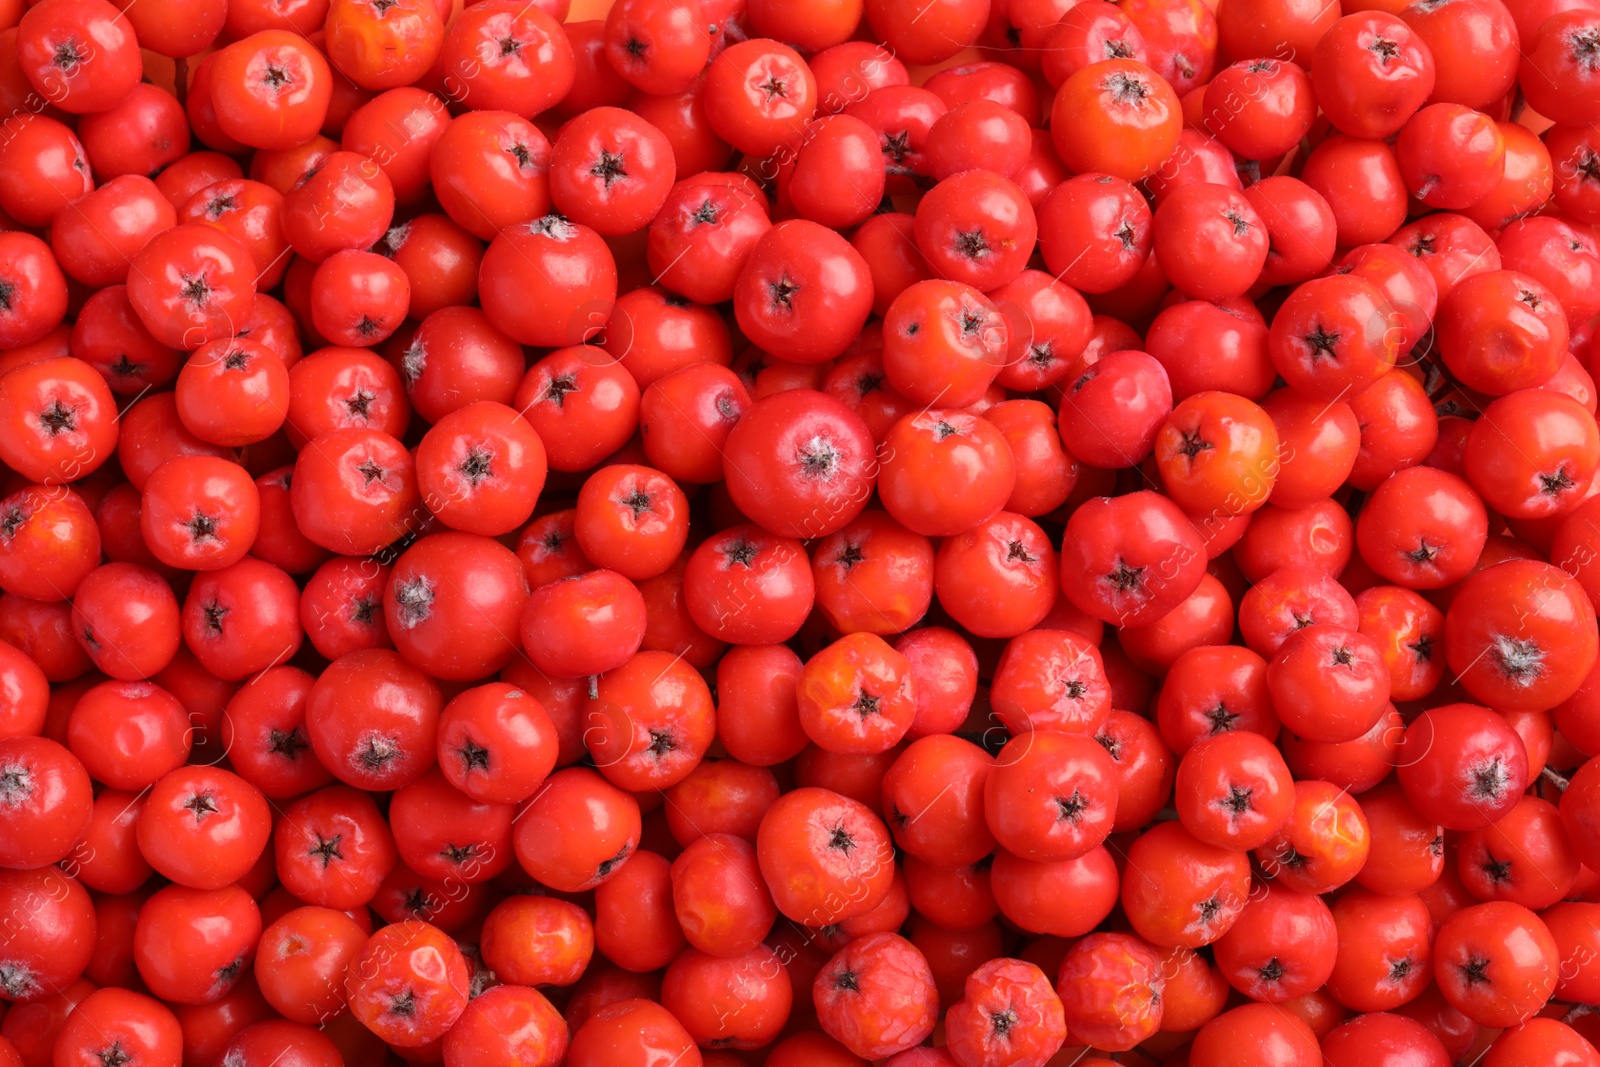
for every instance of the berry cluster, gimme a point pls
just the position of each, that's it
(799, 533)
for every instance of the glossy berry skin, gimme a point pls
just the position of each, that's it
(387, 737)
(1390, 967)
(1109, 560)
(835, 147)
(998, 579)
(271, 91)
(192, 284)
(1094, 232)
(872, 576)
(481, 469)
(46, 167)
(511, 1020)
(1545, 481)
(78, 54)
(46, 801)
(928, 478)
(1112, 1009)
(446, 836)
(233, 392)
(1375, 73)
(1265, 1029)
(610, 170)
(698, 259)
(1511, 305)
(113, 1019)
(383, 47)
(537, 940)
(1468, 768)
(651, 723)
(509, 161)
(1332, 336)
(1535, 825)
(1540, 1037)
(1218, 452)
(721, 868)
(943, 778)
(200, 512)
(1144, 393)
(418, 965)
(1472, 143)
(1527, 661)
(54, 530)
(456, 632)
(1493, 962)
(610, 819)
(653, 334)
(1270, 110)
(1550, 69)
(519, 296)
(335, 819)
(631, 1030)
(1051, 796)
(812, 842)
(496, 743)
(358, 298)
(976, 227)
(782, 302)
(800, 464)
(759, 94)
(631, 519)
(856, 696)
(1190, 893)
(1577, 813)
(579, 401)
(95, 236)
(192, 945)
(943, 343)
(685, 418)
(156, 739)
(1328, 684)
(744, 586)
(1387, 1036)
(1233, 790)
(1204, 215)
(355, 491)
(1281, 947)
(1047, 327)
(526, 77)
(38, 289)
(1360, 180)
(698, 989)
(585, 625)
(655, 48)
(1423, 529)
(203, 827)
(341, 388)
(114, 603)
(1128, 120)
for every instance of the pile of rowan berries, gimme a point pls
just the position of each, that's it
(799, 533)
